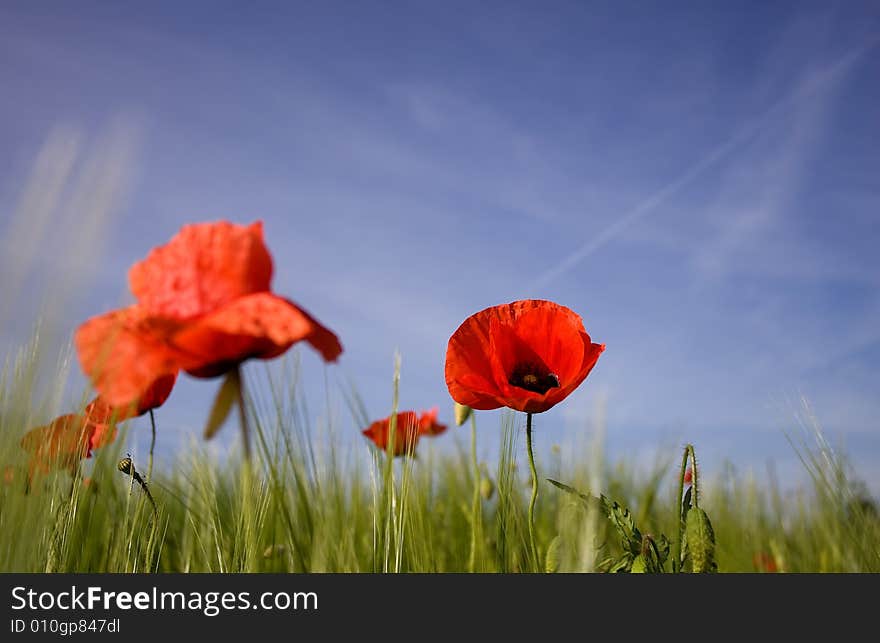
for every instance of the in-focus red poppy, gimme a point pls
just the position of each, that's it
(409, 429)
(688, 476)
(204, 305)
(527, 355)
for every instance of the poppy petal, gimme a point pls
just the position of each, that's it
(60, 444)
(428, 424)
(205, 266)
(555, 334)
(124, 354)
(474, 391)
(100, 411)
(470, 375)
(261, 326)
(406, 433)
(157, 393)
(100, 435)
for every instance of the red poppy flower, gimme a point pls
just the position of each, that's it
(688, 476)
(64, 442)
(406, 433)
(70, 438)
(410, 427)
(204, 306)
(527, 355)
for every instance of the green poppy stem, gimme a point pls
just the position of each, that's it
(476, 514)
(532, 541)
(152, 446)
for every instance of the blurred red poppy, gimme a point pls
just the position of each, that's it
(204, 306)
(65, 441)
(526, 355)
(410, 427)
(99, 411)
(406, 433)
(70, 438)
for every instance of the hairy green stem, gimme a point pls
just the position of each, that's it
(532, 541)
(679, 507)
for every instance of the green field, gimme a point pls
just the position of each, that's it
(303, 503)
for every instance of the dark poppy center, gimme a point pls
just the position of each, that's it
(533, 377)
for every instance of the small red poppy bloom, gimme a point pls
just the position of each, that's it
(410, 427)
(204, 305)
(688, 476)
(406, 433)
(526, 355)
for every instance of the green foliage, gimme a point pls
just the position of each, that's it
(639, 553)
(699, 541)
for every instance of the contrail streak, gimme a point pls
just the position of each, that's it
(739, 137)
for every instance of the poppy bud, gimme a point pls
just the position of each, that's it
(700, 539)
(462, 413)
(487, 488)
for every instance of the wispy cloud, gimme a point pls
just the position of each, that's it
(814, 83)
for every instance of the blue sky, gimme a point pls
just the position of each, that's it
(699, 182)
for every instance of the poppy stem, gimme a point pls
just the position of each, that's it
(476, 514)
(152, 445)
(533, 543)
(681, 509)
